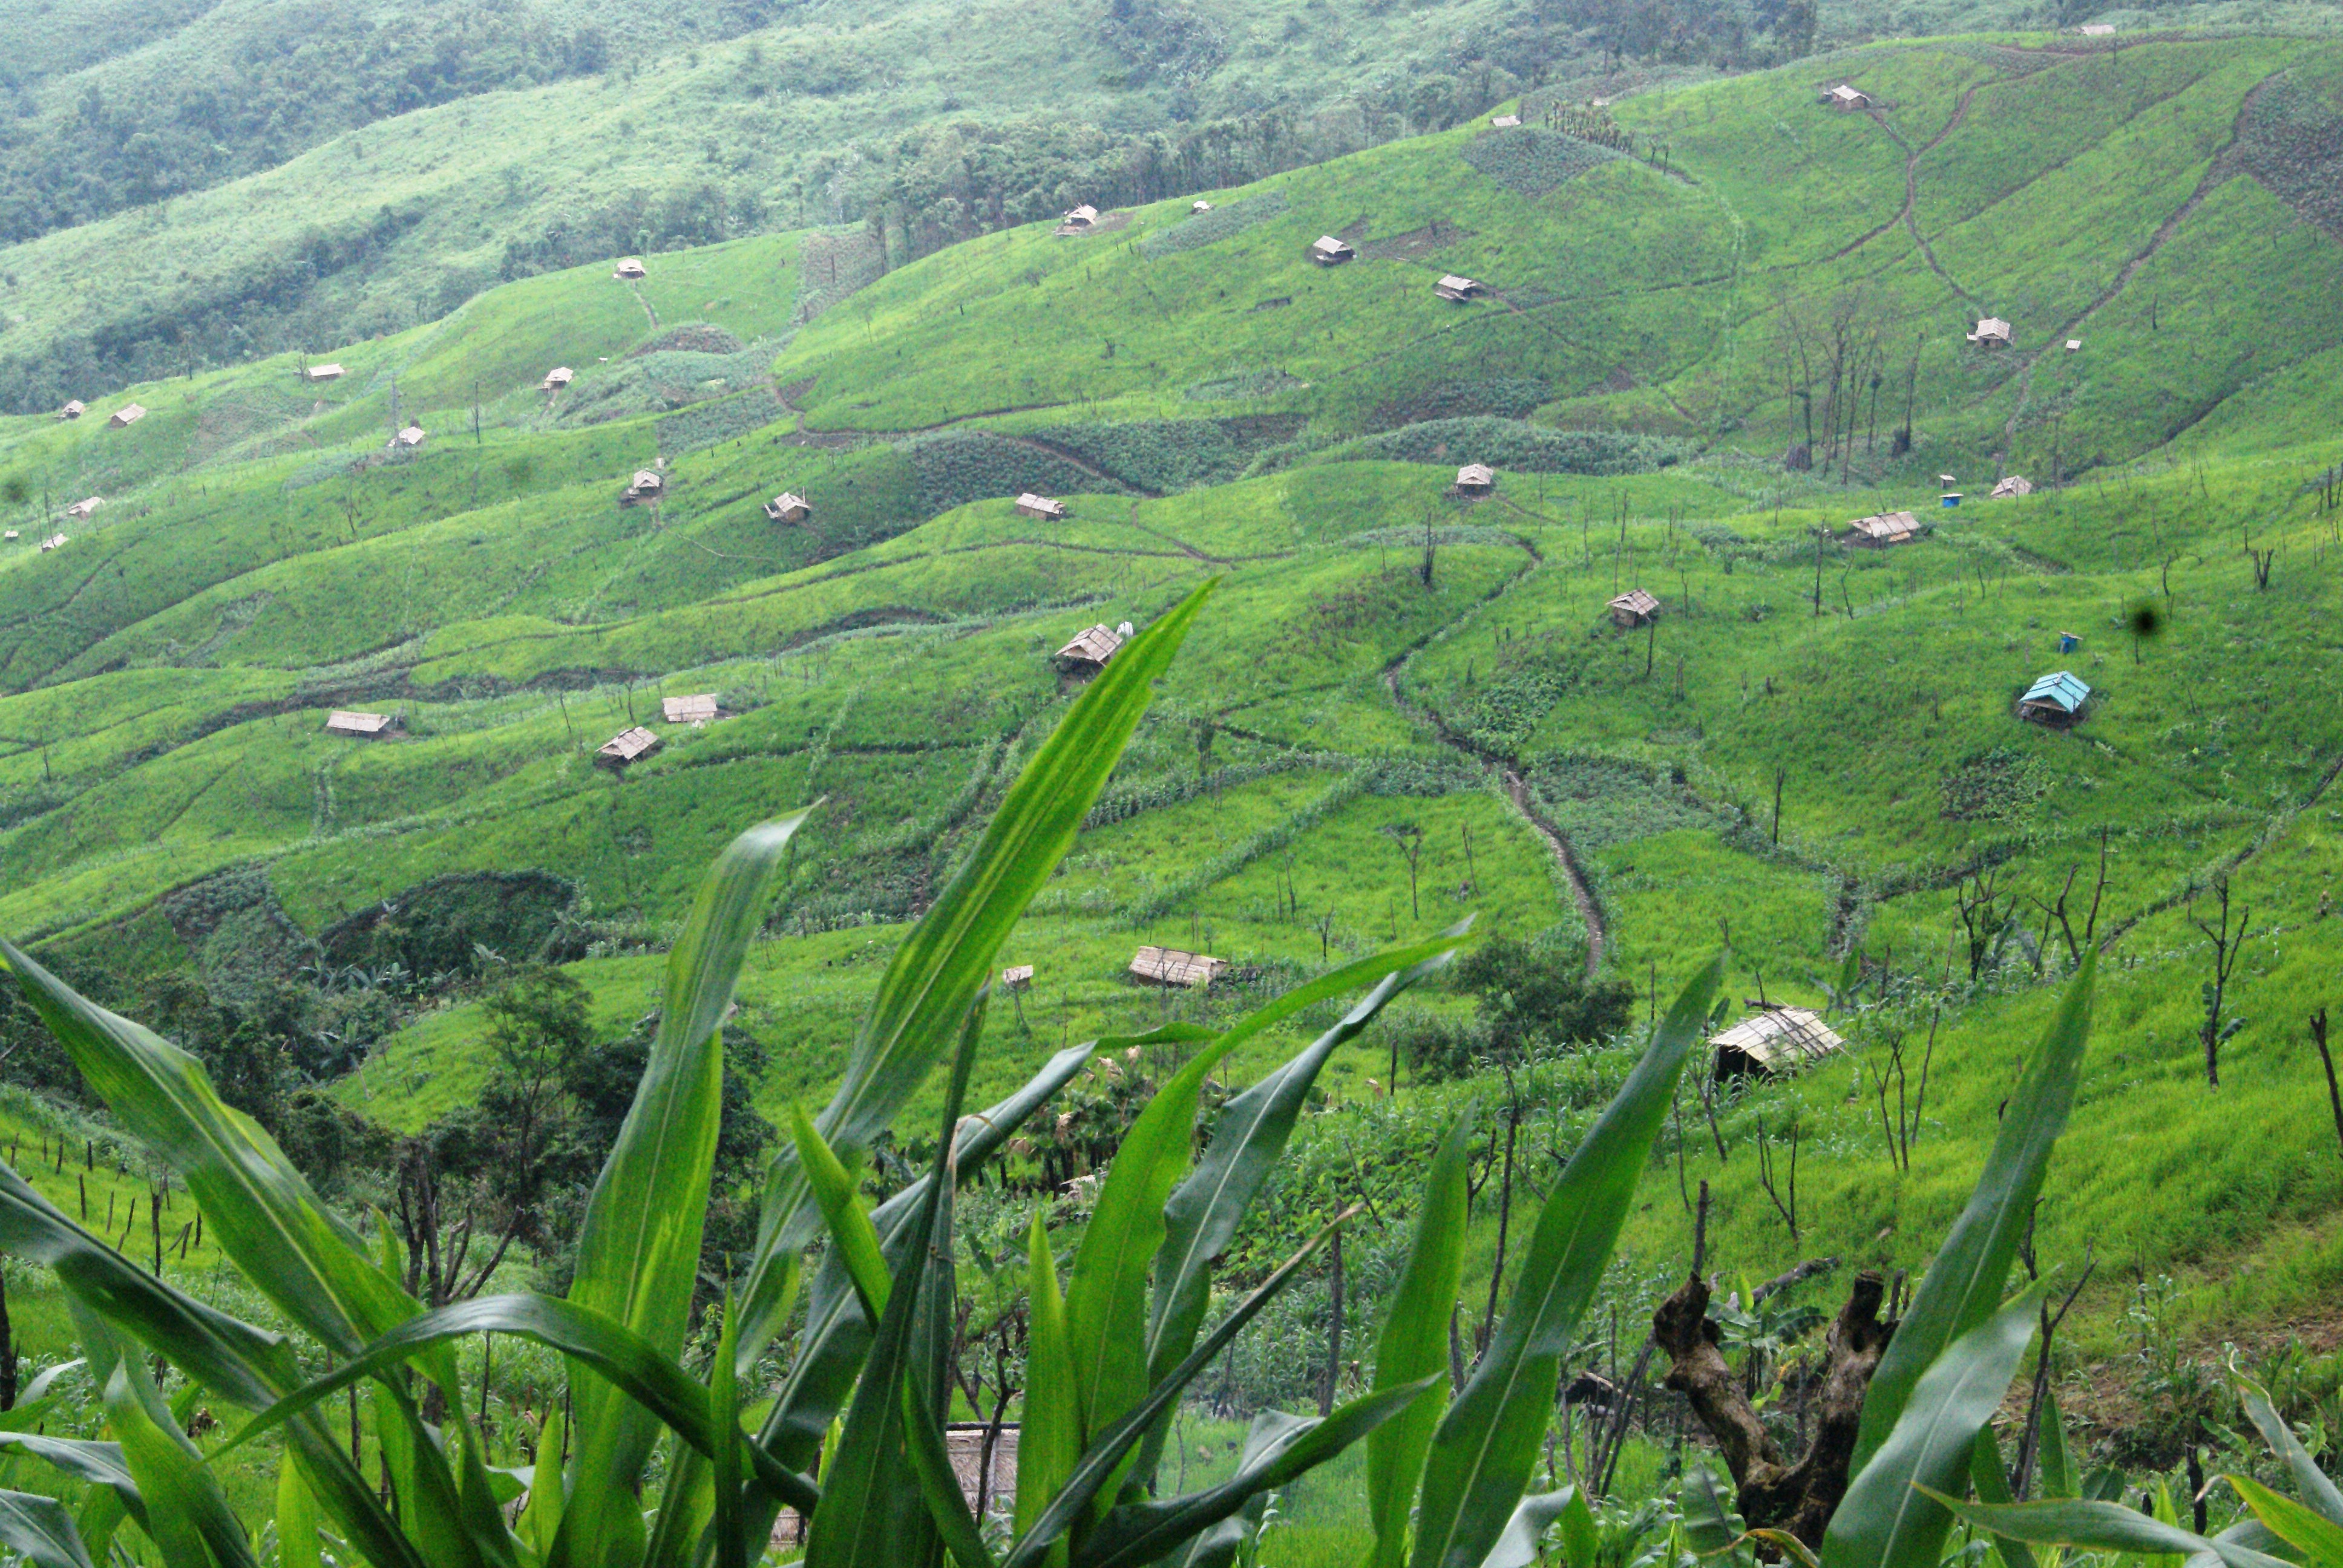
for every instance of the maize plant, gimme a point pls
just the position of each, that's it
(850, 1436)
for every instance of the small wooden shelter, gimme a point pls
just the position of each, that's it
(1635, 608)
(1082, 217)
(74, 409)
(12, 535)
(2057, 699)
(557, 377)
(1042, 506)
(361, 725)
(52, 541)
(1092, 647)
(1170, 966)
(1879, 531)
(323, 373)
(1992, 332)
(128, 413)
(1200, 205)
(2073, 345)
(409, 439)
(1475, 479)
(1846, 99)
(1773, 1041)
(699, 709)
(1328, 251)
(627, 746)
(1459, 290)
(630, 270)
(80, 510)
(789, 506)
(1503, 122)
(646, 486)
(1018, 977)
(2011, 488)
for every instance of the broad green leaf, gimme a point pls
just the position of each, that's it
(934, 977)
(1885, 1520)
(1414, 1344)
(2317, 1491)
(541, 1516)
(2317, 1538)
(940, 1484)
(1519, 1546)
(186, 1515)
(2057, 1462)
(260, 1211)
(98, 1465)
(851, 1230)
(687, 1507)
(873, 1514)
(2102, 1527)
(1582, 1542)
(724, 1426)
(1989, 1479)
(1711, 1525)
(297, 1521)
(1145, 1532)
(1963, 1285)
(1792, 1549)
(1487, 1444)
(1050, 1441)
(43, 1533)
(1218, 1547)
(639, 1245)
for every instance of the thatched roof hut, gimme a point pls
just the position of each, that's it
(361, 725)
(1092, 646)
(323, 373)
(52, 541)
(557, 377)
(2056, 699)
(1328, 251)
(2073, 345)
(1082, 217)
(1475, 479)
(1200, 204)
(1992, 332)
(2012, 487)
(789, 506)
(646, 486)
(627, 746)
(74, 409)
(1170, 966)
(630, 268)
(81, 510)
(1018, 976)
(409, 439)
(1504, 122)
(1773, 1041)
(1042, 506)
(11, 534)
(128, 413)
(699, 709)
(1843, 97)
(1882, 529)
(1635, 608)
(1459, 289)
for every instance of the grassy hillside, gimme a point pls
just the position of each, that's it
(1402, 706)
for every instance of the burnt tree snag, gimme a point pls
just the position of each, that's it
(1774, 1493)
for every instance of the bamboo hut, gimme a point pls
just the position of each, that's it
(1503, 122)
(408, 439)
(630, 270)
(646, 486)
(1773, 1041)
(1200, 205)
(789, 506)
(80, 510)
(698, 709)
(74, 409)
(1992, 332)
(1475, 479)
(52, 541)
(1881, 531)
(2011, 488)
(1633, 608)
(557, 377)
(1459, 290)
(627, 746)
(1042, 506)
(127, 415)
(361, 725)
(1328, 251)
(1846, 99)
(1170, 966)
(323, 373)
(1092, 647)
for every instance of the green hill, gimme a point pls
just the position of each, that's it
(1719, 322)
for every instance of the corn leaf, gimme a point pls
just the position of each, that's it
(2310, 1481)
(297, 1521)
(724, 1427)
(1050, 1441)
(1519, 1545)
(186, 1515)
(1218, 1547)
(855, 1239)
(2057, 1462)
(541, 1516)
(934, 977)
(940, 1483)
(39, 1529)
(1582, 1542)
(1989, 1479)
(1487, 1443)
(1414, 1344)
(638, 1246)
(2317, 1537)
(1885, 1520)
(2102, 1527)
(686, 1509)
(1963, 1285)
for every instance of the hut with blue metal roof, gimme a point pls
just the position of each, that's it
(2054, 698)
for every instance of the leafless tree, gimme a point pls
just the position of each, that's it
(2229, 946)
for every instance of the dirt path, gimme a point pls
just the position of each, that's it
(1912, 156)
(636, 290)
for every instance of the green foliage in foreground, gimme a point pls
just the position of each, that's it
(1112, 1347)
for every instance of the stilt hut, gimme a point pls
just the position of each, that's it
(1774, 1042)
(1170, 966)
(1018, 977)
(789, 506)
(1090, 648)
(1635, 608)
(1992, 332)
(627, 746)
(1328, 251)
(1042, 506)
(1475, 479)
(557, 377)
(695, 710)
(1458, 289)
(1882, 530)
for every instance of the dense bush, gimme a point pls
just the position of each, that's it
(1210, 227)
(1532, 159)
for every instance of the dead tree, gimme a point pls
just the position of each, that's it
(2326, 1061)
(2228, 947)
(1774, 1492)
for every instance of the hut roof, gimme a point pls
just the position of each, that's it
(1845, 94)
(2015, 485)
(788, 506)
(74, 409)
(87, 504)
(324, 372)
(410, 437)
(559, 375)
(128, 413)
(1041, 505)
(1775, 1039)
(1635, 601)
(2074, 344)
(52, 541)
(2096, 29)
(1504, 122)
(1170, 966)
(1326, 248)
(695, 710)
(628, 745)
(632, 266)
(1990, 326)
(1084, 214)
(1451, 286)
(1016, 977)
(2062, 689)
(645, 480)
(1473, 475)
(1200, 204)
(11, 534)
(349, 721)
(1886, 528)
(1092, 644)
